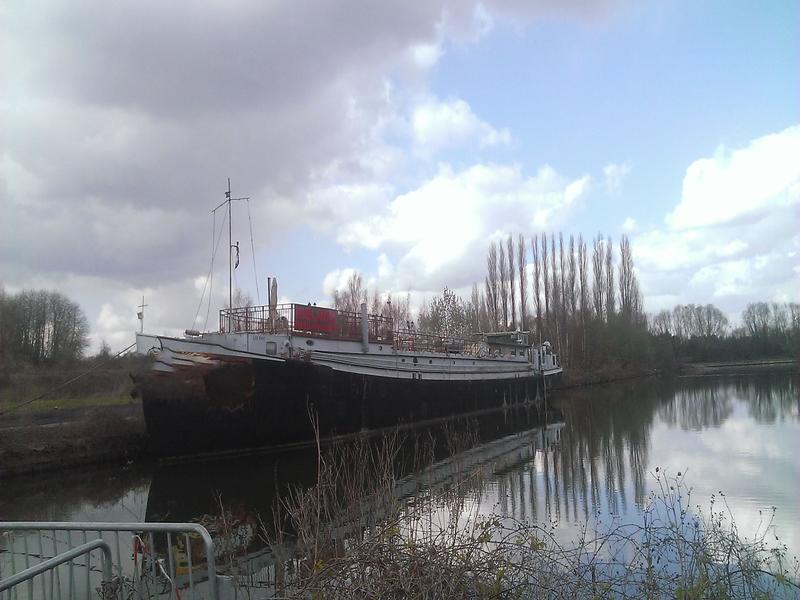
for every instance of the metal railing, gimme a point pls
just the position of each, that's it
(300, 319)
(144, 561)
(316, 321)
(52, 563)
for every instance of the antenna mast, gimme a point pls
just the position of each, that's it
(230, 248)
(231, 245)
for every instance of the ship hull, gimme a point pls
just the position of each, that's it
(228, 403)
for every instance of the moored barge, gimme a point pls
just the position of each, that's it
(282, 374)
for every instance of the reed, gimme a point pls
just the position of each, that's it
(352, 537)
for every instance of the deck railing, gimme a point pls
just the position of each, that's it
(300, 319)
(319, 322)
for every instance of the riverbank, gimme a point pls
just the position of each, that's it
(573, 379)
(56, 439)
(738, 366)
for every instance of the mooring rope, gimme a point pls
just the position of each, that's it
(66, 383)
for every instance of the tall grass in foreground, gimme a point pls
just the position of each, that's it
(353, 537)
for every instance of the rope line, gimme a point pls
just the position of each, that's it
(253, 251)
(210, 278)
(66, 383)
(205, 283)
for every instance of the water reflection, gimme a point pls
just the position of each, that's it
(740, 434)
(736, 434)
(106, 493)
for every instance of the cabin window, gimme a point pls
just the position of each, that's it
(513, 353)
(272, 348)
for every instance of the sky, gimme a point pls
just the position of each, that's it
(398, 139)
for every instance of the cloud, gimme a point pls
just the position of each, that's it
(336, 280)
(442, 227)
(733, 235)
(615, 174)
(120, 122)
(742, 183)
(438, 125)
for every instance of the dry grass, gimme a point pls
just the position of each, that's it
(353, 538)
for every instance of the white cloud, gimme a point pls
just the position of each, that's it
(741, 183)
(733, 236)
(437, 125)
(615, 174)
(629, 224)
(336, 280)
(426, 55)
(449, 219)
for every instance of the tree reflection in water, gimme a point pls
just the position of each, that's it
(602, 462)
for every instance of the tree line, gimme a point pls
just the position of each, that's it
(41, 327)
(703, 333)
(584, 298)
(355, 293)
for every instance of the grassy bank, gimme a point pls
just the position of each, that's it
(91, 420)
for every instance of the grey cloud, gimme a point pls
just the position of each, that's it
(119, 122)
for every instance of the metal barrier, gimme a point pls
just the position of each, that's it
(51, 563)
(154, 555)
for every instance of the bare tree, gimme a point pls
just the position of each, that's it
(661, 324)
(492, 284)
(555, 289)
(610, 292)
(598, 282)
(546, 282)
(523, 280)
(756, 317)
(504, 286)
(41, 327)
(583, 291)
(572, 274)
(537, 281)
(444, 315)
(352, 296)
(398, 310)
(473, 307)
(628, 285)
(511, 283)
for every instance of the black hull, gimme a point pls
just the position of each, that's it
(250, 403)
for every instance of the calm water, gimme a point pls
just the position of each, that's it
(736, 434)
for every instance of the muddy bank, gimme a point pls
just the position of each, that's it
(55, 440)
(576, 379)
(739, 366)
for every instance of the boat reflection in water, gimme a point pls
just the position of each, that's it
(235, 498)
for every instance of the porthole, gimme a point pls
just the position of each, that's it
(309, 342)
(402, 360)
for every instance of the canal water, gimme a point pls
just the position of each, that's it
(599, 457)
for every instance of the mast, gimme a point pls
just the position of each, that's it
(230, 248)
